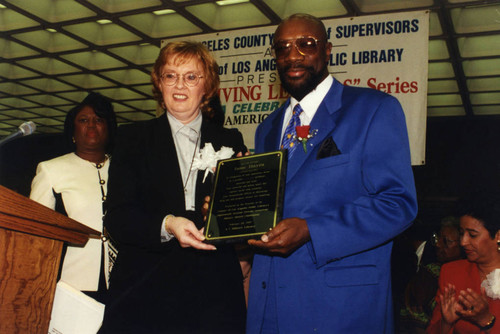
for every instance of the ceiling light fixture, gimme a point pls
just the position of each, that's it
(2, 6)
(51, 30)
(164, 12)
(104, 21)
(230, 2)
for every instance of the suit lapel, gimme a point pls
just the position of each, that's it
(272, 141)
(164, 156)
(208, 135)
(324, 123)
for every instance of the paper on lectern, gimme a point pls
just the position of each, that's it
(74, 312)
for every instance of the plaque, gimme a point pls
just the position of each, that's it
(247, 199)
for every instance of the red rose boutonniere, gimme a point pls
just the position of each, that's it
(304, 133)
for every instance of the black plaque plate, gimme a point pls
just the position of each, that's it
(247, 198)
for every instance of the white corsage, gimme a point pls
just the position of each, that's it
(207, 158)
(491, 284)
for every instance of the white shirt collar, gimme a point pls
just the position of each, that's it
(176, 125)
(419, 252)
(310, 103)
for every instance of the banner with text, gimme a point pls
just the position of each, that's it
(386, 52)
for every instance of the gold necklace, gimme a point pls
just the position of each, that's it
(102, 182)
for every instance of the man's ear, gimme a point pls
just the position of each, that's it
(328, 47)
(328, 51)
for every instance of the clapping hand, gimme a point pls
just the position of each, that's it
(473, 307)
(470, 306)
(449, 305)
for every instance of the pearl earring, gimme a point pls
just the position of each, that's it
(498, 245)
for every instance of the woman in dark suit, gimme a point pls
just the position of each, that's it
(165, 279)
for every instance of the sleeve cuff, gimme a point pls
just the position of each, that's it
(165, 236)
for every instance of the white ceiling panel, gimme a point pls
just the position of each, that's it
(376, 6)
(48, 66)
(116, 6)
(475, 19)
(52, 11)
(49, 41)
(12, 20)
(93, 60)
(228, 17)
(158, 26)
(322, 8)
(144, 54)
(102, 34)
(11, 50)
(442, 86)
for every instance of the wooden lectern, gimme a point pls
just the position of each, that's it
(31, 240)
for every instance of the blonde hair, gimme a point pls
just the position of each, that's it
(178, 53)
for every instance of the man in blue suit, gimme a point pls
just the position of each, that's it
(325, 268)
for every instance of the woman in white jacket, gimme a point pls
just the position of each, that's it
(76, 184)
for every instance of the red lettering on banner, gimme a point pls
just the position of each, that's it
(277, 96)
(240, 94)
(394, 87)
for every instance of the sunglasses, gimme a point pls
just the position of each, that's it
(304, 45)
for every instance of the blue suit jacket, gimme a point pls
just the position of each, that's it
(354, 203)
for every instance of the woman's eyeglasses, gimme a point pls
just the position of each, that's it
(304, 45)
(190, 79)
(447, 243)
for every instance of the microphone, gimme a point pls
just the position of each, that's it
(25, 129)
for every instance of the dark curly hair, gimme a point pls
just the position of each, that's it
(102, 107)
(483, 205)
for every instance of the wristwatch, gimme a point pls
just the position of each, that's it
(490, 324)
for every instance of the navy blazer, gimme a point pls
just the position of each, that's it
(355, 199)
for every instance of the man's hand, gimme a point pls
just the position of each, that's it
(204, 207)
(240, 154)
(187, 234)
(284, 238)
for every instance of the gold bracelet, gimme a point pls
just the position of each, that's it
(166, 222)
(489, 324)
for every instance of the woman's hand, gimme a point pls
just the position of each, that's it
(448, 305)
(186, 233)
(473, 307)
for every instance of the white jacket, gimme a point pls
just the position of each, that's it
(77, 180)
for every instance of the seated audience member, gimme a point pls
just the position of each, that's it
(411, 249)
(447, 241)
(468, 299)
(419, 294)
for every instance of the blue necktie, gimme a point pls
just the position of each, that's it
(288, 138)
